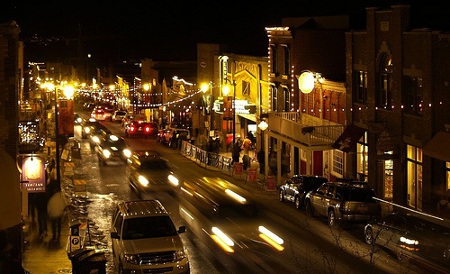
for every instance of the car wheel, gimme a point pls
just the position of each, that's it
(298, 203)
(309, 209)
(331, 218)
(281, 197)
(368, 235)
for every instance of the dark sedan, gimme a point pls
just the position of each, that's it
(148, 172)
(295, 188)
(423, 239)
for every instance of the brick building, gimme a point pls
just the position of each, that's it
(398, 90)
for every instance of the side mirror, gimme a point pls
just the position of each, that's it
(181, 229)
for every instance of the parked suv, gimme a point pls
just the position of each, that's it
(295, 188)
(343, 201)
(145, 240)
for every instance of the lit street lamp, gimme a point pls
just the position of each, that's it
(68, 92)
(226, 91)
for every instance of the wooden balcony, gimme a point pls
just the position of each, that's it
(306, 129)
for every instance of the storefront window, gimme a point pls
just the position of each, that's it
(338, 163)
(414, 176)
(388, 179)
(362, 154)
(447, 171)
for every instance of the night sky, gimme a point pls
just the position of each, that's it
(170, 30)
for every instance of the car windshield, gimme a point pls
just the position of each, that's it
(121, 113)
(148, 227)
(357, 194)
(157, 164)
(116, 143)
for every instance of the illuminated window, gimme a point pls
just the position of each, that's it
(447, 171)
(338, 163)
(414, 176)
(362, 152)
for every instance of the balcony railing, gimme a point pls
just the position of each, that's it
(306, 129)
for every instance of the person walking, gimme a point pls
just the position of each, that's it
(55, 206)
(41, 207)
(247, 144)
(236, 152)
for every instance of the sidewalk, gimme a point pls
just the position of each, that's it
(44, 255)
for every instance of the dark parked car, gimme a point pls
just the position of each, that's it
(148, 172)
(141, 129)
(343, 201)
(295, 188)
(112, 150)
(409, 235)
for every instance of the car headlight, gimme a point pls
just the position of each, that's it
(180, 254)
(106, 153)
(131, 258)
(143, 181)
(173, 180)
(127, 153)
(96, 139)
(87, 130)
(79, 120)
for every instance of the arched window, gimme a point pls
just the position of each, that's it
(287, 59)
(287, 99)
(273, 50)
(274, 98)
(384, 92)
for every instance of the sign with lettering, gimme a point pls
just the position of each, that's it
(33, 174)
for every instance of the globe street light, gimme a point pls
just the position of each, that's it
(226, 91)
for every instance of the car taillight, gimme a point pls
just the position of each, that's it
(132, 128)
(147, 129)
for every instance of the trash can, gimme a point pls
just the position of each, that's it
(86, 260)
(77, 257)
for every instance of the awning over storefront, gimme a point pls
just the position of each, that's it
(250, 117)
(439, 146)
(348, 138)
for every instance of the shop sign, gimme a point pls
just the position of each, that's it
(33, 174)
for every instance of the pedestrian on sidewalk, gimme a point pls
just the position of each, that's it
(41, 206)
(236, 152)
(56, 206)
(247, 144)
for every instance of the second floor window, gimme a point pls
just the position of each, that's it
(287, 100)
(361, 86)
(274, 99)
(287, 60)
(412, 95)
(384, 92)
(273, 64)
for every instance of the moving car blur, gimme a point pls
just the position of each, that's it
(423, 239)
(149, 172)
(141, 129)
(112, 149)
